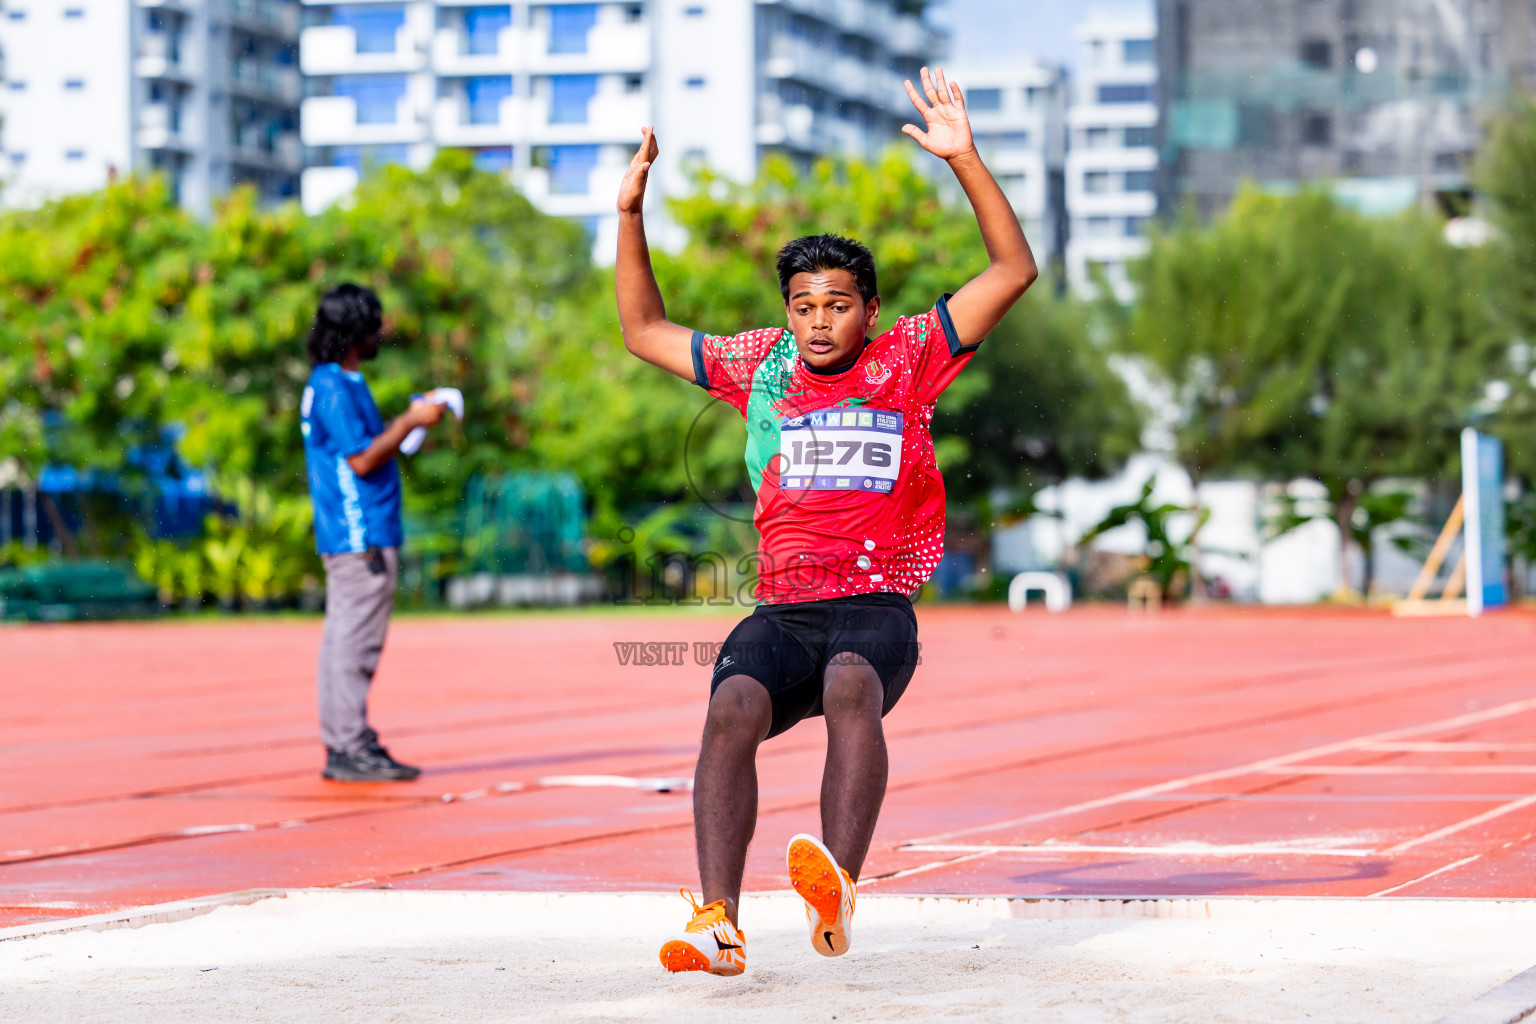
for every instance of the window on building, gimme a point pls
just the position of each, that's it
(496, 159)
(985, 101)
(374, 25)
(16, 15)
(696, 82)
(1096, 181)
(1099, 227)
(377, 96)
(1120, 93)
(1136, 51)
(482, 28)
(74, 13)
(18, 158)
(634, 83)
(1139, 181)
(569, 96)
(74, 154)
(1135, 227)
(1317, 54)
(1001, 141)
(570, 168)
(694, 11)
(74, 84)
(1316, 129)
(1012, 183)
(1095, 138)
(361, 158)
(483, 96)
(17, 86)
(569, 25)
(1139, 136)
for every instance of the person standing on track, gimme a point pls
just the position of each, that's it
(850, 512)
(354, 485)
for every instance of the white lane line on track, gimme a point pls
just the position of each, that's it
(1445, 747)
(1165, 850)
(930, 866)
(1252, 768)
(1450, 830)
(1333, 798)
(1452, 866)
(1402, 769)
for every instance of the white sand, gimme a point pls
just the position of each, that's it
(365, 956)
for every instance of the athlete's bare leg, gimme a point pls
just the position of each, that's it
(853, 782)
(725, 786)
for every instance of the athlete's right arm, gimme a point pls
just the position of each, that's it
(642, 315)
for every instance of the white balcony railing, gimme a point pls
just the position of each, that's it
(332, 121)
(619, 47)
(602, 185)
(450, 128)
(332, 50)
(449, 56)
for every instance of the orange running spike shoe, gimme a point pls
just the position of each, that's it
(828, 893)
(709, 943)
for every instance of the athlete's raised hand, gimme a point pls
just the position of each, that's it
(632, 188)
(949, 130)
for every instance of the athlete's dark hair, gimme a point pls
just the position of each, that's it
(828, 252)
(348, 315)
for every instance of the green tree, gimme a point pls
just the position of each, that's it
(88, 286)
(1505, 174)
(120, 315)
(1300, 339)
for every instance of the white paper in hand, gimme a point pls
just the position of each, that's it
(451, 397)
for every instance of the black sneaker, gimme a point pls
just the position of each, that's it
(371, 763)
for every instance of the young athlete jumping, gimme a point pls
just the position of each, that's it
(850, 512)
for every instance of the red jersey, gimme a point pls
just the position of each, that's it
(849, 497)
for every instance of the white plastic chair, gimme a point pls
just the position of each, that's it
(1057, 591)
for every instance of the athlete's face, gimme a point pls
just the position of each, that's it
(829, 319)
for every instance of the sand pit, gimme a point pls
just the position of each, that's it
(363, 956)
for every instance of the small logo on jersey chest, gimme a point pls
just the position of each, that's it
(875, 373)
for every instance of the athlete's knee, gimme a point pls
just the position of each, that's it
(851, 687)
(739, 707)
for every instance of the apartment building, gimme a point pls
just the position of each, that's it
(1018, 117)
(555, 92)
(205, 92)
(1112, 157)
(1383, 99)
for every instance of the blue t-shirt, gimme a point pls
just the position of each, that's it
(340, 419)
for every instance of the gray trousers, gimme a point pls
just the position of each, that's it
(357, 606)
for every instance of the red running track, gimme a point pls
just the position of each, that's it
(1223, 752)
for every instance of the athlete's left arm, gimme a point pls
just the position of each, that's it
(980, 305)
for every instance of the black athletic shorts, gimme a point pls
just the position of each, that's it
(787, 648)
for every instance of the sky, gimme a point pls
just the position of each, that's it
(990, 31)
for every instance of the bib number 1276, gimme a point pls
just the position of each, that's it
(841, 450)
